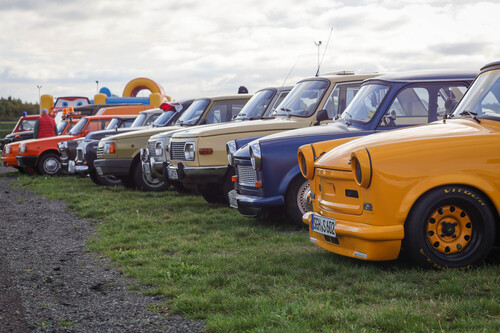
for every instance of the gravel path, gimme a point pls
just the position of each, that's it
(50, 283)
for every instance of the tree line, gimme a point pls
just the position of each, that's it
(13, 108)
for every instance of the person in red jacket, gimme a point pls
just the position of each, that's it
(45, 126)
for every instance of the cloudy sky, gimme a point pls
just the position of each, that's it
(196, 48)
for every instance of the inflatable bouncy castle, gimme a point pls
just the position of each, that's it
(129, 96)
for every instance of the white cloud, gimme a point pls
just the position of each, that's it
(198, 48)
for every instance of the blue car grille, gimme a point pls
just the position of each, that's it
(246, 175)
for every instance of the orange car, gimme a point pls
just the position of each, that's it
(9, 152)
(433, 190)
(42, 155)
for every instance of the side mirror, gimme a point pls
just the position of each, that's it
(320, 116)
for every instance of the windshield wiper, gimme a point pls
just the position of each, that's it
(287, 111)
(345, 120)
(470, 113)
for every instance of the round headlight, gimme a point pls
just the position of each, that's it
(305, 156)
(159, 149)
(255, 156)
(361, 165)
(22, 149)
(7, 149)
(230, 150)
(189, 151)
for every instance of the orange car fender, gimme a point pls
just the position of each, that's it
(425, 185)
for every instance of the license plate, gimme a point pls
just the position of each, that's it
(233, 203)
(172, 174)
(323, 225)
(71, 166)
(146, 169)
(99, 171)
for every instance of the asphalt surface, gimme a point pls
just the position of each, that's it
(50, 282)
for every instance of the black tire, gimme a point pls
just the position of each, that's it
(50, 165)
(296, 200)
(127, 181)
(104, 180)
(212, 194)
(218, 192)
(147, 182)
(451, 226)
(179, 187)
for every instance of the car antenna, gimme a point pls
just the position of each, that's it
(324, 52)
(290, 72)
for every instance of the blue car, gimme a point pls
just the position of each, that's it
(268, 177)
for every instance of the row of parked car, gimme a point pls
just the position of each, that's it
(431, 189)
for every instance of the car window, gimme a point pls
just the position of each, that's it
(340, 97)
(27, 125)
(420, 104)
(224, 111)
(152, 119)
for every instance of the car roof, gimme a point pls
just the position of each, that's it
(227, 97)
(426, 75)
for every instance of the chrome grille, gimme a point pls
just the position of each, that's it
(100, 150)
(79, 154)
(246, 175)
(151, 148)
(177, 151)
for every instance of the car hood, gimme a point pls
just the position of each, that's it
(52, 139)
(248, 126)
(305, 132)
(426, 138)
(141, 133)
(23, 133)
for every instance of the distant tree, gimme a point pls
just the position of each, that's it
(13, 108)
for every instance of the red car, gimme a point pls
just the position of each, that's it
(42, 155)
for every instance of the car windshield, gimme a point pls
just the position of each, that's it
(113, 123)
(194, 112)
(27, 125)
(365, 104)
(164, 118)
(61, 127)
(303, 100)
(139, 120)
(257, 105)
(78, 127)
(483, 97)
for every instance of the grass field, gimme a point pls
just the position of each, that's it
(240, 274)
(6, 127)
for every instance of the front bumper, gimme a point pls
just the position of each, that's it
(249, 205)
(9, 161)
(358, 240)
(77, 168)
(27, 161)
(113, 166)
(196, 175)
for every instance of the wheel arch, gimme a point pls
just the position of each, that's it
(45, 152)
(487, 195)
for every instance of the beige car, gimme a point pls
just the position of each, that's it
(199, 157)
(155, 158)
(119, 155)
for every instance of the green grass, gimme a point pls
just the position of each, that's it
(6, 127)
(240, 274)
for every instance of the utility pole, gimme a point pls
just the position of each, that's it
(97, 83)
(39, 99)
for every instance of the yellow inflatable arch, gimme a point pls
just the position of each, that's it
(138, 84)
